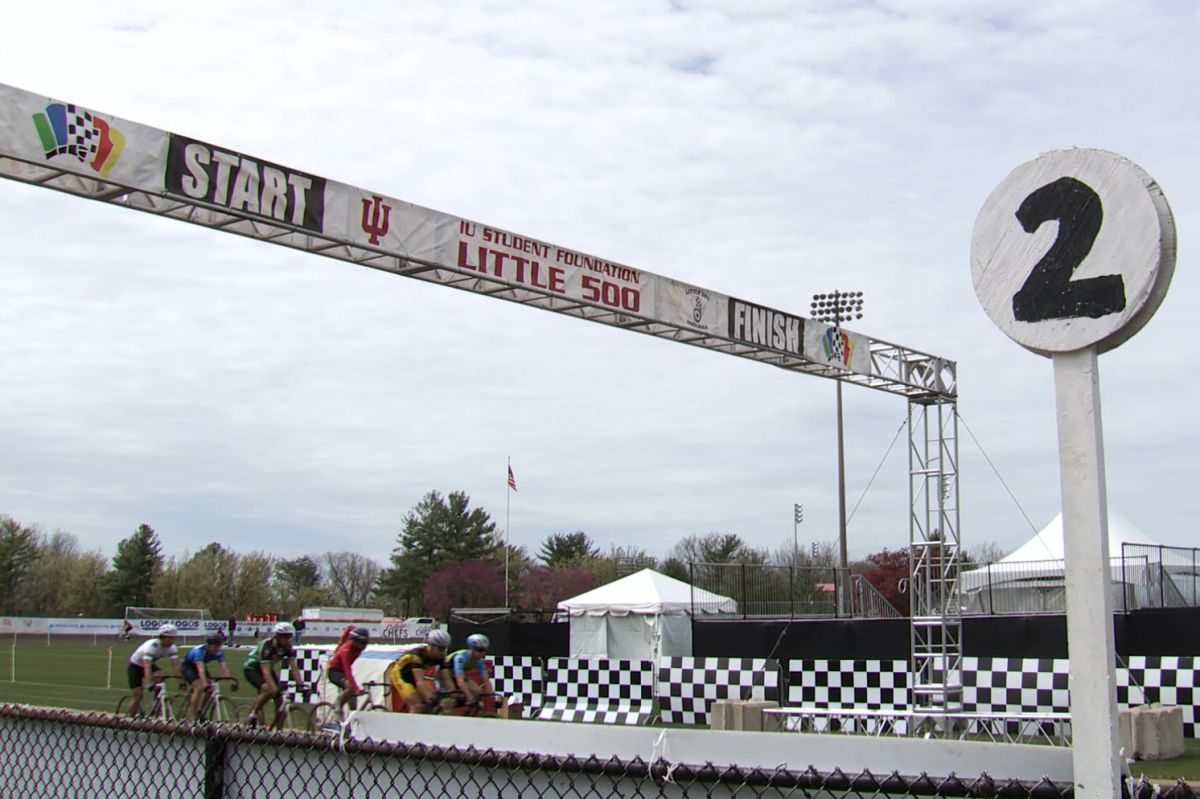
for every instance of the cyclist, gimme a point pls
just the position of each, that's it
(195, 668)
(415, 675)
(143, 663)
(341, 672)
(469, 670)
(262, 668)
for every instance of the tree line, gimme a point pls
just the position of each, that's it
(447, 555)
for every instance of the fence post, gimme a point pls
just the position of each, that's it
(214, 767)
(745, 600)
(991, 600)
(1124, 581)
(1162, 576)
(792, 589)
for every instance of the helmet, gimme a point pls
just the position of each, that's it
(478, 641)
(213, 638)
(283, 628)
(360, 635)
(438, 638)
(168, 629)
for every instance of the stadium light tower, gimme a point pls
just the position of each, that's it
(835, 308)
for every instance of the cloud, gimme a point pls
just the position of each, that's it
(222, 388)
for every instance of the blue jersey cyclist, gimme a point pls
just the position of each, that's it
(469, 670)
(194, 669)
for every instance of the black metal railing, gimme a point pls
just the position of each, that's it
(760, 591)
(1141, 576)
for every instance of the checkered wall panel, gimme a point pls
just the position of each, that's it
(306, 670)
(687, 686)
(1016, 685)
(1163, 679)
(598, 690)
(521, 679)
(868, 684)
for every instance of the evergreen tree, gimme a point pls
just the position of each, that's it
(18, 551)
(135, 568)
(437, 532)
(562, 549)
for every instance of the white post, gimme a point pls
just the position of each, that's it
(13, 673)
(1096, 747)
(108, 678)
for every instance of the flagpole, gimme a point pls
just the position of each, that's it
(507, 505)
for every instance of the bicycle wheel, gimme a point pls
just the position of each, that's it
(123, 705)
(322, 713)
(223, 711)
(181, 706)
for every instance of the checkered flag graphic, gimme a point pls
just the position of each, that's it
(83, 138)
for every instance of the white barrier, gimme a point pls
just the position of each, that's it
(193, 628)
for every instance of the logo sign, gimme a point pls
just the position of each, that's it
(1074, 248)
(231, 180)
(71, 131)
(765, 327)
(375, 215)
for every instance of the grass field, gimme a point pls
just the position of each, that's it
(72, 672)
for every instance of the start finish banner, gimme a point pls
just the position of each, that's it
(36, 130)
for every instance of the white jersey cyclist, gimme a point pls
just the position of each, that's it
(152, 650)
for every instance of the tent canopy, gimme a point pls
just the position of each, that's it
(644, 616)
(647, 593)
(1038, 563)
(1047, 544)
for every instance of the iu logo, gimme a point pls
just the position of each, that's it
(375, 217)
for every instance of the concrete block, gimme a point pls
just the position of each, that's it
(1125, 728)
(720, 714)
(752, 716)
(736, 714)
(1157, 732)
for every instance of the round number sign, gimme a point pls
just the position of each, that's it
(1074, 248)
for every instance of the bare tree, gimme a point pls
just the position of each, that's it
(350, 578)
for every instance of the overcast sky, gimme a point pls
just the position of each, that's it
(224, 389)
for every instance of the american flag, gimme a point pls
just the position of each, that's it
(512, 481)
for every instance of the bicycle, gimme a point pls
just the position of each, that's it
(213, 706)
(160, 706)
(296, 715)
(482, 706)
(384, 702)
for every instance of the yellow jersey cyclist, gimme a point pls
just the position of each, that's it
(262, 669)
(415, 676)
(194, 669)
(143, 663)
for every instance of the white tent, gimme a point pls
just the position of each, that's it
(1030, 579)
(640, 617)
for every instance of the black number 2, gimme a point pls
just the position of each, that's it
(1049, 292)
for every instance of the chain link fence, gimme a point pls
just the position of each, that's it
(46, 754)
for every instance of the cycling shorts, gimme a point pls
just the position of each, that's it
(255, 677)
(137, 673)
(338, 678)
(189, 671)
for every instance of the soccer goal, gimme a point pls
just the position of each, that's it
(191, 622)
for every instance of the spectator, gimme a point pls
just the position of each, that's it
(299, 624)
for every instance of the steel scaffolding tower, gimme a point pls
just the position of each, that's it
(935, 667)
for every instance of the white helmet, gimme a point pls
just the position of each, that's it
(167, 629)
(438, 638)
(283, 628)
